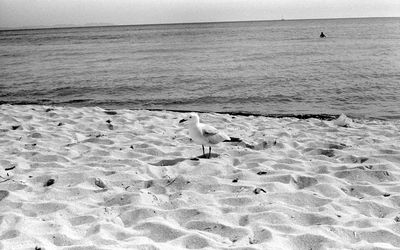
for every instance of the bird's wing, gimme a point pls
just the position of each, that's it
(212, 134)
(208, 130)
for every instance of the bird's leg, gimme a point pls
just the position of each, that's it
(204, 154)
(209, 152)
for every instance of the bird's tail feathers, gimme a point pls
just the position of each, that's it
(233, 139)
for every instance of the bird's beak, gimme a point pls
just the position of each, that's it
(182, 121)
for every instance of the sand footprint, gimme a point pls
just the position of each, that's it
(81, 220)
(265, 218)
(300, 199)
(61, 240)
(312, 241)
(159, 232)
(4, 194)
(10, 234)
(261, 235)
(373, 176)
(305, 181)
(381, 236)
(132, 217)
(35, 209)
(192, 241)
(234, 234)
(236, 201)
(121, 199)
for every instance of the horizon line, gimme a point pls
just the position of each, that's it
(100, 25)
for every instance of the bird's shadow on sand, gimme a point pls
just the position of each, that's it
(171, 162)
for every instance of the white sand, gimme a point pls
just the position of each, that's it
(130, 183)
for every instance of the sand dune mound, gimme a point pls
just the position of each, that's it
(88, 178)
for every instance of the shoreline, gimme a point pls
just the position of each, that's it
(301, 116)
(327, 117)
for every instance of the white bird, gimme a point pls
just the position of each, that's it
(203, 134)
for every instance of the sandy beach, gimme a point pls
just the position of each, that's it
(89, 178)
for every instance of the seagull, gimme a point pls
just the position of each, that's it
(204, 134)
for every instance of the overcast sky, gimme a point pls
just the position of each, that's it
(18, 13)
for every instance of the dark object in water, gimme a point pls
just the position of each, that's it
(235, 180)
(262, 173)
(322, 35)
(49, 182)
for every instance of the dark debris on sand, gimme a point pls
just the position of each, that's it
(15, 127)
(259, 190)
(49, 183)
(98, 182)
(10, 168)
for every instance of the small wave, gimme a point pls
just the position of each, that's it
(20, 102)
(78, 101)
(224, 99)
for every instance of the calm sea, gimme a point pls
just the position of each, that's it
(271, 67)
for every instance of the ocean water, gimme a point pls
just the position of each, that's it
(271, 67)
